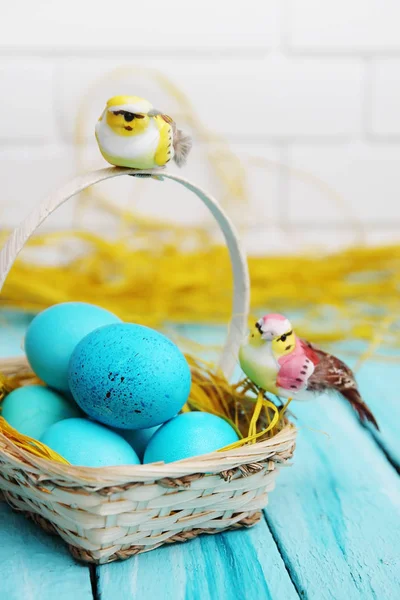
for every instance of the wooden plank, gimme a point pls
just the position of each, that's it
(35, 565)
(379, 385)
(336, 513)
(379, 381)
(228, 566)
(13, 326)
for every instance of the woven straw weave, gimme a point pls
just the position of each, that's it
(115, 512)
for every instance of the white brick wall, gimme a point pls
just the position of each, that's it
(385, 97)
(311, 88)
(257, 98)
(102, 26)
(367, 26)
(26, 93)
(362, 177)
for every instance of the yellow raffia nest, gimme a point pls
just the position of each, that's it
(251, 415)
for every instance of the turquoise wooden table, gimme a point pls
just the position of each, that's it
(331, 530)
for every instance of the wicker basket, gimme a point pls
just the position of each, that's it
(112, 513)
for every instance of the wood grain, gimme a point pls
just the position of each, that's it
(380, 385)
(379, 382)
(13, 328)
(336, 513)
(240, 564)
(37, 566)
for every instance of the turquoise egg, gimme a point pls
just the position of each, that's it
(189, 434)
(129, 376)
(53, 335)
(84, 443)
(138, 438)
(33, 408)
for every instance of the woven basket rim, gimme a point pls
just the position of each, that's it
(214, 462)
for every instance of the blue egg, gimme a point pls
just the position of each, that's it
(33, 408)
(138, 438)
(53, 335)
(129, 376)
(84, 443)
(189, 434)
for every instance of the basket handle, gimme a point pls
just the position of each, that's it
(238, 323)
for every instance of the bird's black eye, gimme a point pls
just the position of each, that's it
(283, 338)
(128, 117)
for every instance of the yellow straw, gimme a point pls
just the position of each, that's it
(239, 404)
(284, 408)
(351, 292)
(29, 444)
(256, 436)
(256, 414)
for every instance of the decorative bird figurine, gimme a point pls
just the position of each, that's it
(131, 133)
(279, 362)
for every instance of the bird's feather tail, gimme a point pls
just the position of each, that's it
(364, 412)
(182, 147)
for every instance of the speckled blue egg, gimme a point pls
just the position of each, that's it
(84, 443)
(138, 438)
(189, 434)
(129, 376)
(53, 334)
(33, 408)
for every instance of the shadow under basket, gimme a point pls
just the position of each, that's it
(112, 513)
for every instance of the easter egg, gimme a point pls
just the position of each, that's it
(189, 434)
(53, 334)
(129, 376)
(138, 438)
(87, 444)
(33, 408)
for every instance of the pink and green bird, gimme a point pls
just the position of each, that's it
(279, 362)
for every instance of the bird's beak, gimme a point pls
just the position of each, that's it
(255, 333)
